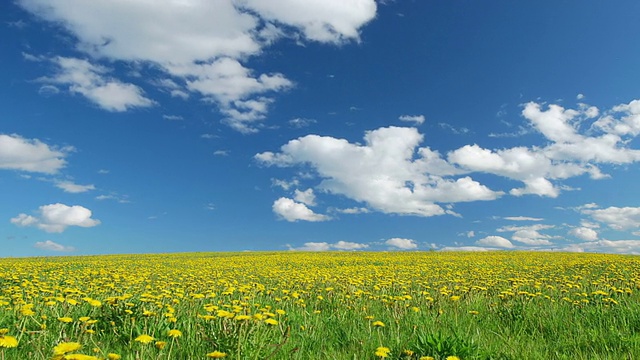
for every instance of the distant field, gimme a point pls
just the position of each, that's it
(331, 305)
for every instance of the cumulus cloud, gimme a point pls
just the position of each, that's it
(197, 45)
(325, 246)
(384, 173)
(416, 119)
(352, 210)
(292, 211)
(618, 218)
(55, 218)
(495, 241)
(606, 246)
(584, 233)
(530, 237)
(32, 155)
(52, 246)
(306, 197)
(92, 82)
(403, 244)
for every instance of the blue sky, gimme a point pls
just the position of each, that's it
(140, 127)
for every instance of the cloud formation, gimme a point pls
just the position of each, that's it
(52, 246)
(55, 218)
(31, 155)
(402, 244)
(292, 211)
(198, 46)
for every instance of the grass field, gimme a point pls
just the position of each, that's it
(331, 305)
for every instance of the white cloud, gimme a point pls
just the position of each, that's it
(332, 21)
(71, 187)
(535, 227)
(301, 122)
(466, 248)
(584, 233)
(346, 245)
(32, 155)
(198, 45)
(325, 246)
(606, 246)
(416, 119)
(495, 241)
(384, 173)
(468, 234)
(400, 243)
(52, 246)
(221, 153)
(352, 210)
(313, 246)
(530, 237)
(91, 81)
(55, 218)
(522, 218)
(306, 197)
(617, 218)
(292, 211)
(284, 184)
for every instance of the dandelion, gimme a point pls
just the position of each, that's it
(7, 341)
(66, 347)
(407, 352)
(216, 355)
(427, 358)
(271, 321)
(382, 351)
(378, 323)
(174, 333)
(160, 344)
(455, 298)
(65, 319)
(112, 356)
(144, 339)
(79, 357)
(452, 358)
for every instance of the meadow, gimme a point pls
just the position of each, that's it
(330, 305)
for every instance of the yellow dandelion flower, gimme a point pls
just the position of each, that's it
(112, 356)
(4, 331)
(427, 358)
(160, 344)
(382, 351)
(271, 321)
(65, 319)
(216, 355)
(455, 298)
(84, 318)
(452, 358)
(144, 339)
(79, 357)
(378, 323)
(407, 352)
(242, 317)
(7, 341)
(66, 347)
(174, 333)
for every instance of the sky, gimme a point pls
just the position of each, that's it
(136, 126)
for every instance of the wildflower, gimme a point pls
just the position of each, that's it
(216, 355)
(84, 318)
(378, 323)
(452, 358)
(242, 317)
(79, 357)
(427, 358)
(271, 321)
(455, 298)
(7, 341)
(382, 351)
(407, 352)
(144, 339)
(65, 319)
(112, 356)
(66, 347)
(174, 333)
(160, 344)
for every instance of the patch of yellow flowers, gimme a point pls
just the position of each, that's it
(122, 303)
